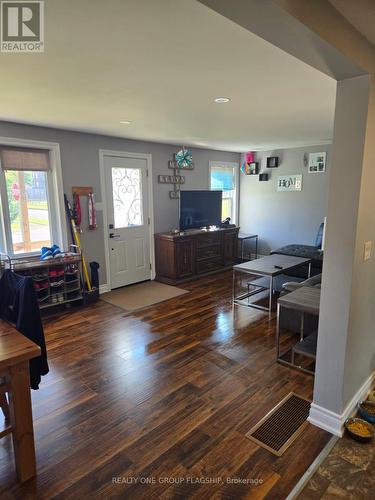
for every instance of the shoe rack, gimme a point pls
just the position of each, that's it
(57, 281)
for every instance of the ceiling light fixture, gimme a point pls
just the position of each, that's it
(125, 122)
(222, 100)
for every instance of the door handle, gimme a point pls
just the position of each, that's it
(113, 235)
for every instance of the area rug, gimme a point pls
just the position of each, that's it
(142, 295)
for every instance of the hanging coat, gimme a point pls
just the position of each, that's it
(19, 305)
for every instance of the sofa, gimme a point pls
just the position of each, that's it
(312, 252)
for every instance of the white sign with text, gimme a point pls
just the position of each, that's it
(289, 183)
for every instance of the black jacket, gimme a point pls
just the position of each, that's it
(19, 305)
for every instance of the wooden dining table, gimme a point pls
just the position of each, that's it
(15, 352)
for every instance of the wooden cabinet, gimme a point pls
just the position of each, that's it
(184, 258)
(230, 240)
(181, 257)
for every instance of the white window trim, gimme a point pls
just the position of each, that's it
(236, 168)
(55, 196)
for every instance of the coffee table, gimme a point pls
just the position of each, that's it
(267, 268)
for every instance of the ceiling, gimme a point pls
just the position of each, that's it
(160, 64)
(360, 13)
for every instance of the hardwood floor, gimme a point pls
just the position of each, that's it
(156, 404)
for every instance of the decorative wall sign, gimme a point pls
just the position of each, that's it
(289, 183)
(317, 163)
(272, 161)
(182, 160)
(263, 177)
(171, 179)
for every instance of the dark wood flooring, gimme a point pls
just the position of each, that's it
(156, 404)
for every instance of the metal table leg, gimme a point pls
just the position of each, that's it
(278, 332)
(270, 297)
(302, 332)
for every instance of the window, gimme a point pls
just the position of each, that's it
(126, 192)
(29, 201)
(223, 177)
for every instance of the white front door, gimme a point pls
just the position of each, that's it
(128, 219)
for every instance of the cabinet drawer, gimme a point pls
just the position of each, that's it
(205, 266)
(208, 239)
(208, 251)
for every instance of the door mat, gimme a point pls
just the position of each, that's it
(277, 430)
(140, 295)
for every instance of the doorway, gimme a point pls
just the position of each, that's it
(127, 206)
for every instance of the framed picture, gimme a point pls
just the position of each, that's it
(272, 161)
(317, 163)
(253, 168)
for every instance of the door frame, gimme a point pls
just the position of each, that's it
(125, 154)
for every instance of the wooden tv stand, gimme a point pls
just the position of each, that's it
(188, 255)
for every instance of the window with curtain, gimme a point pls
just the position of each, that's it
(223, 177)
(25, 201)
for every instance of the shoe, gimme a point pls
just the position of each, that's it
(56, 252)
(46, 254)
(56, 283)
(41, 285)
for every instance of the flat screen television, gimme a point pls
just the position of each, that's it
(200, 209)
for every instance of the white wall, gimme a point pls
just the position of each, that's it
(283, 218)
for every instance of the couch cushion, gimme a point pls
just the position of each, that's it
(305, 251)
(319, 236)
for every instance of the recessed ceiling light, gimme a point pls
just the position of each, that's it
(125, 122)
(222, 100)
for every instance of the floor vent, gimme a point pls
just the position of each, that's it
(282, 425)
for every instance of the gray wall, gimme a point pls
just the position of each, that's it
(360, 350)
(80, 167)
(339, 255)
(282, 218)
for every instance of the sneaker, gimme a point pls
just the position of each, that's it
(46, 253)
(56, 252)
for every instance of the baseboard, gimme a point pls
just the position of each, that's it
(334, 422)
(103, 288)
(325, 419)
